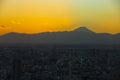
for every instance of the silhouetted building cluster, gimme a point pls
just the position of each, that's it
(59, 63)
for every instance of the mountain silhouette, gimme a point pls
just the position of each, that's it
(80, 35)
(83, 30)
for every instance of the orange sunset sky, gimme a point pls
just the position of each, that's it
(35, 16)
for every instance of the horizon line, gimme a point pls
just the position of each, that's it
(60, 32)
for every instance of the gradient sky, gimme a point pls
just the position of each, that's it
(35, 16)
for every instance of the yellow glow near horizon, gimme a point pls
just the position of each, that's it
(35, 16)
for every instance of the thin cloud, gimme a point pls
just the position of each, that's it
(3, 26)
(15, 22)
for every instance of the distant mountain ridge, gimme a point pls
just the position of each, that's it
(80, 35)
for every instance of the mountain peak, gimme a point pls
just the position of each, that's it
(81, 35)
(83, 30)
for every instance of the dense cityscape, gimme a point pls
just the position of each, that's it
(59, 63)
